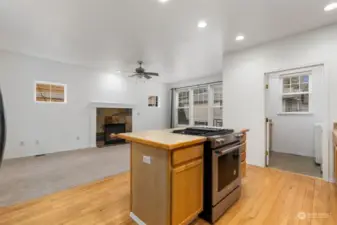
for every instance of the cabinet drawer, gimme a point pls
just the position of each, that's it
(186, 154)
(243, 169)
(243, 156)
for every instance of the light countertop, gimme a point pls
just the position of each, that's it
(164, 139)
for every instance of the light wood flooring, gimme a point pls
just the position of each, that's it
(270, 197)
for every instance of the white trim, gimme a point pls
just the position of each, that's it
(300, 68)
(294, 113)
(136, 219)
(98, 104)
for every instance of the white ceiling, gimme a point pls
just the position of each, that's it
(114, 34)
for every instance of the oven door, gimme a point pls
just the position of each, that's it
(226, 171)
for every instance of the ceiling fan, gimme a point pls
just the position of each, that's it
(140, 72)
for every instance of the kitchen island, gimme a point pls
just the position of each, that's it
(166, 177)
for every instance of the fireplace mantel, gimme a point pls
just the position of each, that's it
(100, 104)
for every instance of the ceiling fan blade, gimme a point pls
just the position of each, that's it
(133, 75)
(152, 74)
(147, 76)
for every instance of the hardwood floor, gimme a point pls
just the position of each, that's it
(270, 197)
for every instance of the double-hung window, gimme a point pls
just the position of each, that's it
(183, 107)
(296, 93)
(199, 106)
(217, 105)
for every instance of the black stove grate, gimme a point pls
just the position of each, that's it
(204, 131)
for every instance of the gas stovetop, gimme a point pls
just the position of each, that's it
(217, 136)
(204, 131)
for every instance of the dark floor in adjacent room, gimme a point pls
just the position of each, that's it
(295, 163)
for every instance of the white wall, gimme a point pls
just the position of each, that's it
(243, 80)
(57, 126)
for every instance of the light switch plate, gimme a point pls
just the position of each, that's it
(147, 159)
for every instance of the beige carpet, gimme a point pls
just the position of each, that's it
(32, 177)
(295, 163)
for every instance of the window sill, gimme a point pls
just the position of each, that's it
(294, 113)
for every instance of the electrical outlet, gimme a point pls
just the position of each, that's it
(147, 159)
(37, 142)
(22, 143)
(77, 138)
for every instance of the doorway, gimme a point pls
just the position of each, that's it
(296, 111)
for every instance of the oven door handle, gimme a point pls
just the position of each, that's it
(223, 152)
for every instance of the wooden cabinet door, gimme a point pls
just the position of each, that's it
(187, 192)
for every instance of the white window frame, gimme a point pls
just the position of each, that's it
(210, 106)
(213, 106)
(309, 92)
(206, 107)
(176, 107)
(51, 83)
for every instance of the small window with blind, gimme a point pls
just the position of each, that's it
(46, 92)
(296, 93)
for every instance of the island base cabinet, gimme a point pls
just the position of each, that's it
(187, 192)
(166, 186)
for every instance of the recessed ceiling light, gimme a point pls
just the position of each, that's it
(118, 71)
(240, 38)
(330, 7)
(202, 24)
(163, 1)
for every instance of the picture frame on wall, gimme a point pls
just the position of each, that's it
(49, 92)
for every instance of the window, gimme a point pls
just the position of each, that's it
(199, 106)
(217, 105)
(295, 93)
(183, 110)
(153, 101)
(50, 92)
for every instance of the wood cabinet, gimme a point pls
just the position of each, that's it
(187, 192)
(167, 189)
(243, 156)
(336, 164)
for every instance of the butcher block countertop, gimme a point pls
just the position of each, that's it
(163, 139)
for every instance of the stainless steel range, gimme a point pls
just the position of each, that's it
(222, 181)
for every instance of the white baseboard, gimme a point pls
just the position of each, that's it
(136, 219)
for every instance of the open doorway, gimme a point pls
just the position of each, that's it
(296, 111)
